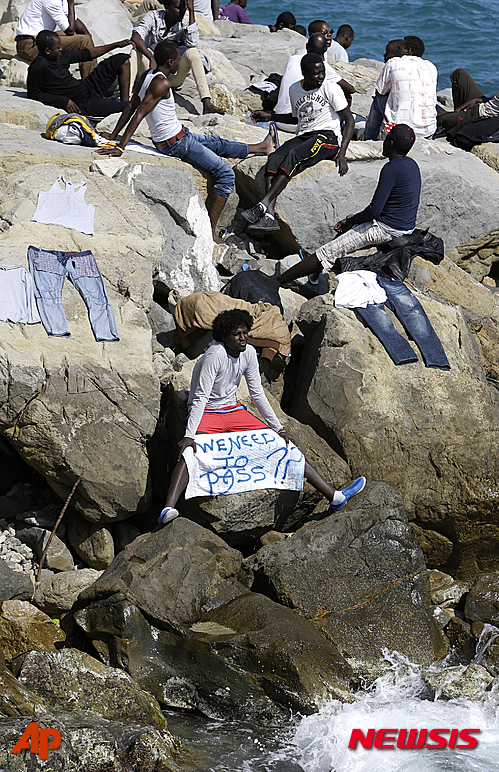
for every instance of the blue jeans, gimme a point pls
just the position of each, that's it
(204, 151)
(49, 269)
(410, 312)
(376, 116)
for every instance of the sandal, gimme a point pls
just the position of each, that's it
(274, 135)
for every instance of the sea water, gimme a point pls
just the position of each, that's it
(319, 743)
(456, 34)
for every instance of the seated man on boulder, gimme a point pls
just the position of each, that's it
(282, 113)
(285, 20)
(343, 41)
(391, 213)
(213, 406)
(50, 82)
(317, 104)
(52, 15)
(153, 100)
(170, 24)
(469, 102)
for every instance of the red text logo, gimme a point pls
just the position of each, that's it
(36, 740)
(413, 739)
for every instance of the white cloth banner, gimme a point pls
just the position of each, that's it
(234, 462)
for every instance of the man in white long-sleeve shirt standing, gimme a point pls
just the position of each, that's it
(52, 15)
(213, 406)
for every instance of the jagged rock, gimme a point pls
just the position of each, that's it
(222, 69)
(7, 40)
(241, 519)
(445, 590)
(72, 680)
(428, 433)
(15, 73)
(437, 548)
(58, 557)
(295, 665)
(482, 601)
(461, 682)
(488, 152)
(14, 10)
(106, 20)
(362, 570)
(172, 194)
(461, 640)
(56, 594)
(14, 586)
(73, 403)
(93, 543)
(25, 628)
(457, 198)
(16, 699)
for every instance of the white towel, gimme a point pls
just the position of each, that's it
(358, 289)
(234, 462)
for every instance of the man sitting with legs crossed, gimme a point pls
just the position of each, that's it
(318, 104)
(213, 406)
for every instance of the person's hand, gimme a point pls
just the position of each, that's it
(152, 64)
(261, 115)
(123, 43)
(284, 436)
(342, 165)
(186, 442)
(117, 152)
(342, 226)
(72, 107)
(468, 105)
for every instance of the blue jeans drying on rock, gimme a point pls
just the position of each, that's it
(204, 151)
(49, 269)
(410, 312)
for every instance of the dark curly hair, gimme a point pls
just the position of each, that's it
(228, 321)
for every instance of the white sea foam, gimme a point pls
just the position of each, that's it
(395, 701)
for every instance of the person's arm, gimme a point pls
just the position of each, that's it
(374, 209)
(61, 21)
(136, 111)
(242, 16)
(471, 103)
(71, 19)
(101, 50)
(215, 9)
(191, 33)
(347, 87)
(347, 135)
(207, 373)
(257, 394)
(142, 48)
(383, 84)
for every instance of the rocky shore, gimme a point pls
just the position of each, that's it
(257, 605)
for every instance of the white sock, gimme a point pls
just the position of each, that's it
(338, 497)
(271, 216)
(262, 207)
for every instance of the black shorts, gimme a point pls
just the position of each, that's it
(302, 152)
(98, 84)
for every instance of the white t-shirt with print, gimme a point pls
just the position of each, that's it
(318, 109)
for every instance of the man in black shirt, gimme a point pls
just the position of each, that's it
(50, 82)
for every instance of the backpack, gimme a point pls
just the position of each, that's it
(75, 129)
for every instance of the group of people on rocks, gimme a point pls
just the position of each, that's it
(313, 102)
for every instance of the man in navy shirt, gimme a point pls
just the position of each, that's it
(391, 213)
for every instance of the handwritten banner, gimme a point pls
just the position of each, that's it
(242, 461)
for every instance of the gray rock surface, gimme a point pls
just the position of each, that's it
(460, 682)
(359, 571)
(14, 586)
(56, 594)
(482, 601)
(58, 557)
(93, 543)
(24, 628)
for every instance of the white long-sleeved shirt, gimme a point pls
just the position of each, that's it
(215, 379)
(43, 14)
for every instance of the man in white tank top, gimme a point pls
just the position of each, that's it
(153, 100)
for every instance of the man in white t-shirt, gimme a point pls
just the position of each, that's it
(208, 8)
(51, 15)
(282, 113)
(317, 105)
(411, 85)
(343, 40)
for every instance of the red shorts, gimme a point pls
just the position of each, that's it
(235, 418)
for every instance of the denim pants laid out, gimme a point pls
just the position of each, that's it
(49, 269)
(204, 151)
(410, 312)
(376, 116)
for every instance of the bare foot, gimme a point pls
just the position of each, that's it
(268, 144)
(217, 239)
(209, 107)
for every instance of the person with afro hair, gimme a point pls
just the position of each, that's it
(214, 408)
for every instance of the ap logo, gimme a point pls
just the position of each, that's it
(36, 740)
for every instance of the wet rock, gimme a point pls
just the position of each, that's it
(461, 682)
(93, 543)
(482, 602)
(359, 571)
(15, 699)
(56, 594)
(25, 628)
(14, 586)
(461, 640)
(445, 590)
(58, 557)
(437, 548)
(428, 433)
(295, 665)
(72, 680)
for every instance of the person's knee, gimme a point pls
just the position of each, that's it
(225, 179)
(192, 55)
(459, 73)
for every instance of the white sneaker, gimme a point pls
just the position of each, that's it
(167, 515)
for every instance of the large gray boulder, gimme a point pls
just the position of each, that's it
(107, 21)
(457, 199)
(428, 433)
(71, 403)
(56, 594)
(14, 586)
(359, 577)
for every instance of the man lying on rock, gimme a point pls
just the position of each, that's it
(169, 24)
(469, 101)
(213, 406)
(317, 104)
(391, 213)
(50, 82)
(153, 100)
